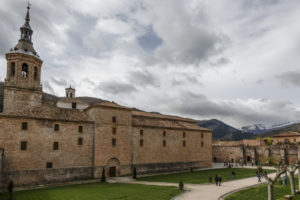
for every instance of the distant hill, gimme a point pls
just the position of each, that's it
(293, 127)
(261, 128)
(223, 131)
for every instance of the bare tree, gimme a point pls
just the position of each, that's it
(281, 169)
(291, 172)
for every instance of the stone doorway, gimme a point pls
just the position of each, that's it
(113, 167)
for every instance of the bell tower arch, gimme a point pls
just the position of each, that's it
(22, 86)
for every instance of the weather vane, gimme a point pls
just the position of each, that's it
(28, 4)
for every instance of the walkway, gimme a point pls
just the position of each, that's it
(202, 191)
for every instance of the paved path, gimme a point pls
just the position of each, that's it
(202, 191)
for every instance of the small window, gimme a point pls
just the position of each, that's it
(114, 119)
(202, 135)
(24, 70)
(49, 165)
(23, 146)
(141, 142)
(24, 126)
(80, 141)
(164, 143)
(56, 127)
(80, 129)
(114, 131)
(294, 140)
(164, 133)
(35, 74)
(55, 145)
(202, 144)
(74, 105)
(114, 141)
(13, 69)
(141, 132)
(183, 143)
(183, 134)
(71, 95)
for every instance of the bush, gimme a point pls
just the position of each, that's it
(181, 185)
(103, 175)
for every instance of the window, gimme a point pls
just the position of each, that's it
(24, 70)
(24, 126)
(202, 135)
(13, 69)
(164, 143)
(141, 142)
(164, 133)
(294, 140)
(202, 143)
(114, 131)
(55, 145)
(49, 165)
(23, 146)
(141, 132)
(114, 141)
(56, 127)
(80, 141)
(114, 119)
(74, 105)
(183, 134)
(183, 143)
(35, 74)
(80, 129)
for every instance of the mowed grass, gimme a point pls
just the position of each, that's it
(105, 191)
(261, 192)
(202, 176)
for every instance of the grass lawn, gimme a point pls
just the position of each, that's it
(99, 191)
(202, 176)
(261, 192)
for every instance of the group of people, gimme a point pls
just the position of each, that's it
(218, 180)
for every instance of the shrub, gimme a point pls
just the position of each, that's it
(134, 172)
(103, 175)
(181, 185)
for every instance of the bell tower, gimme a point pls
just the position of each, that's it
(22, 86)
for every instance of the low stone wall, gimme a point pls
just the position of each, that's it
(169, 167)
(46, 176)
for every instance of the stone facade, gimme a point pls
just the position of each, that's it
(45, 140)
(237, 152)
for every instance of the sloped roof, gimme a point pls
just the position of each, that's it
(288, 134)
(71, 100)
(52, 112)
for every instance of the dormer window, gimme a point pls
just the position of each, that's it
(24, 70)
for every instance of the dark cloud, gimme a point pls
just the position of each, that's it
(114, 87)
(143, 79)
(291, 78)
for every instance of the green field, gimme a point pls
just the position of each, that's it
(261, 192)
(105, 191)
(202, 176)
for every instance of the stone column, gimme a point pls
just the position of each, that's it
(283, 155)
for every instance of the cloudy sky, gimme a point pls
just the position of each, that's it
(234, 60)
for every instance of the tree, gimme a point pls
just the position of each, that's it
(291, 171)
(103, 175)
(281, 169)
(134, 173)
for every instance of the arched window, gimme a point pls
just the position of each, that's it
(24, 70)
(13, 69)
(35, 74)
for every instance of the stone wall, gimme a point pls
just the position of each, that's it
(254, 154)
(40, 137)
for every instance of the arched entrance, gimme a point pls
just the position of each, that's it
(113, 167)
(215, 159)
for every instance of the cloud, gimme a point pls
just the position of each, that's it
(114, 87)
(143, 79)
(290, 78)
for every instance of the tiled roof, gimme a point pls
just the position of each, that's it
(165, 123)
(71, 100)
(109, 104)
(50, 111)
(227, 143)
(161, 116)
(287, 134)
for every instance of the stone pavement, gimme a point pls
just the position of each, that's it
(203, 191)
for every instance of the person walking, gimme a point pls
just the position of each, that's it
(216, 180)
(233, 174)
(284, 178)
(220, 180)
(259, 177)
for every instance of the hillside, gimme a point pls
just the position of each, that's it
(294, 127)
(223, 131)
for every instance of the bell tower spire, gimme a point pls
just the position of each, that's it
(22, 87)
